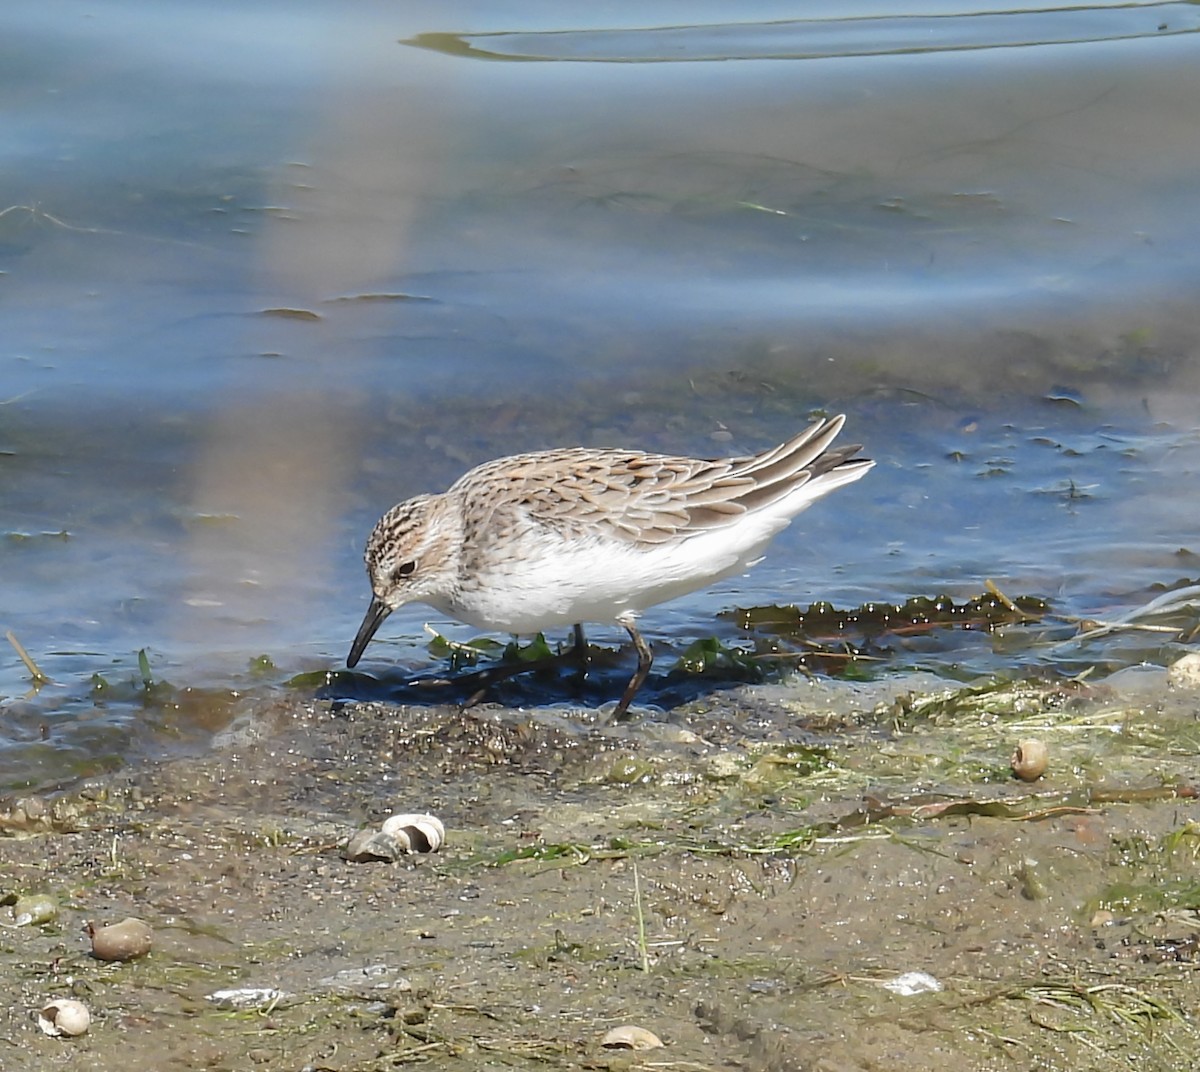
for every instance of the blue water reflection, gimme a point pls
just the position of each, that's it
(269, 268)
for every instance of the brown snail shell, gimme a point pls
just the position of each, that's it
(127, 940)
(1030, 759)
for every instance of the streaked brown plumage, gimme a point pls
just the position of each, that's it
(560, 537)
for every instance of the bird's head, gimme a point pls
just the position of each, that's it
(411, 558)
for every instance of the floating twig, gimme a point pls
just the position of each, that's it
(1098, 629)
(1166, 603)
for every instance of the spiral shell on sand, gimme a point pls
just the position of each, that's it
(1030, 759)
(398, 836)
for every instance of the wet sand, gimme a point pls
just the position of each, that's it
(742, 878)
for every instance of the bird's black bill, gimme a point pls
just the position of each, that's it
(376, 612)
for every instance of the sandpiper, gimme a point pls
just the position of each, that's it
(561, 537)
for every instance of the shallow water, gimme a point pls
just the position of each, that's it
(268, 270)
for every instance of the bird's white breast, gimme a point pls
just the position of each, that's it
(557, 582)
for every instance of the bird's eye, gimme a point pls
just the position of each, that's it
(405, 569)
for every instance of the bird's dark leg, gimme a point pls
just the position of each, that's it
(645, 659)
(580, 655)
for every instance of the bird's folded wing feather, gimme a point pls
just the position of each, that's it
(654, 498)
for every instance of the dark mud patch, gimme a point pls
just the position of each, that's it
(749, 881)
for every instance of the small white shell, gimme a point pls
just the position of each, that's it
(65, 1016)
(250, 997)
(631, 1037)
(909, 984)
(415, 833)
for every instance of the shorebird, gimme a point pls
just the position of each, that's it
(561, 537)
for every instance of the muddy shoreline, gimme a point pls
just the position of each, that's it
(789, 851)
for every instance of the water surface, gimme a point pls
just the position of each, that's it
(268, 269)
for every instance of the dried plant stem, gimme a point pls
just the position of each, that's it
(38, 677)
(641, 920)
(990, 585)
